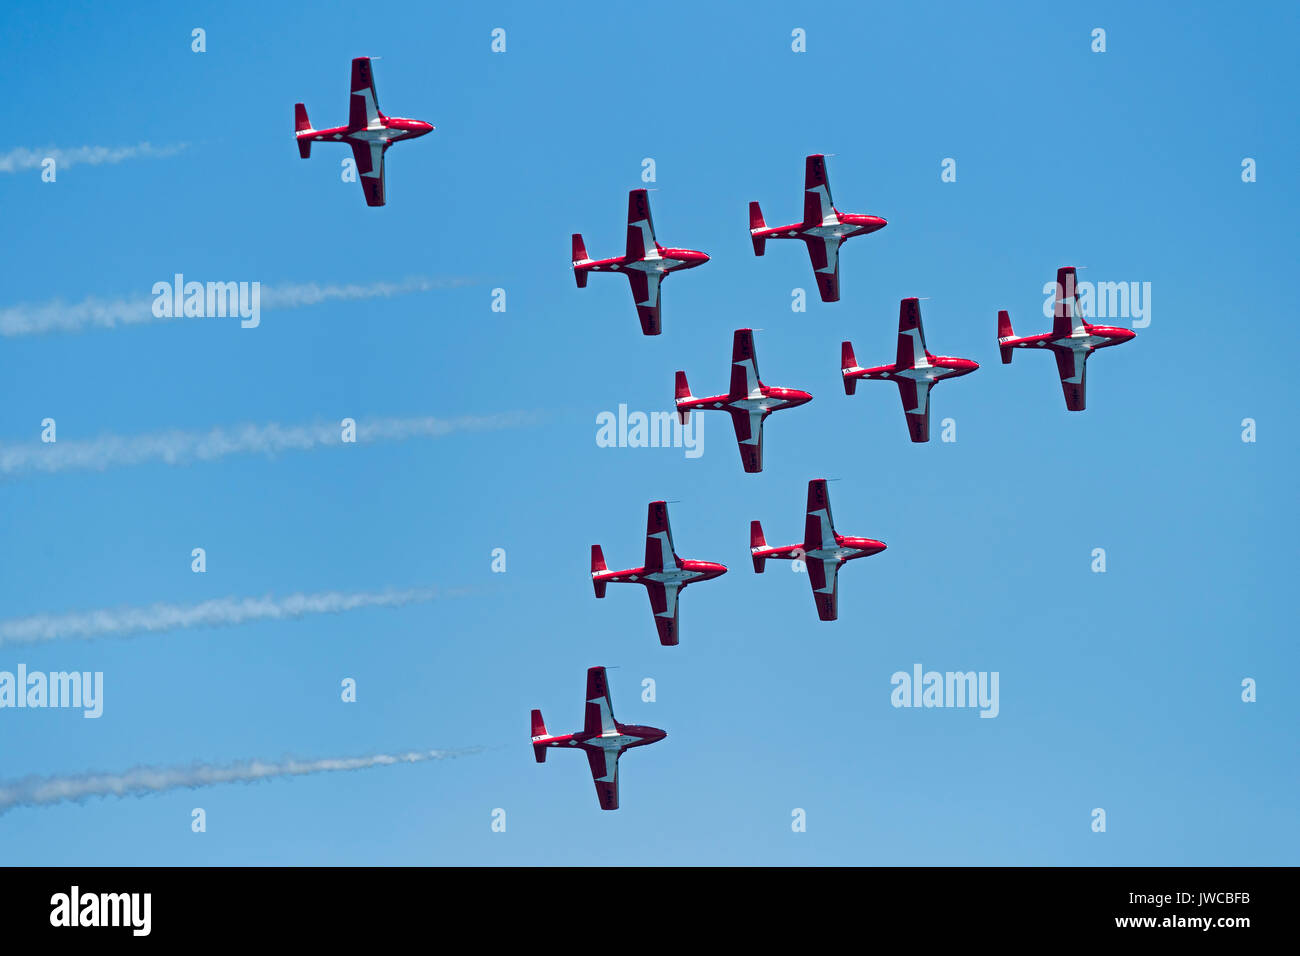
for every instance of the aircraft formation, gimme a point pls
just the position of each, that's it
(823, 551)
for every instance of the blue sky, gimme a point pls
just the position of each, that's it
(1118, 690)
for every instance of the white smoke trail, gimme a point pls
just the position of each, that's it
(40, 318)
(21, 158)
(182, 447)
(297, 295)
(141, 781)
(218, 612)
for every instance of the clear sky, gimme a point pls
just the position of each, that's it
(1119, 691)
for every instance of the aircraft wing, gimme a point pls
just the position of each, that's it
(916, 406)
(363, 104)
(645, 290)
(911, 335)
(749, 436)
(819, 526)
(825, 257)
(599, 714)
(824, 578)
(663, 601)
(640, 227)
(1065, 316)
(744, 365)
(1073, 369)
(817, 204)
(604, 772)
(659, 554)
(370, 170)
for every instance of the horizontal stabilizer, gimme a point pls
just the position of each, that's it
(756, 540)
(1005, 332)
(597, 566)
(302, 124)
(756, 222)
(579, 255)
(683, 392)
(847, 361)
(539, 730)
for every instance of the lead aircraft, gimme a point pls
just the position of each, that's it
(1071, 340)
(822, 550)
(664, 575)
(602, 738)
(823, 229)
(748, 400)
(369, 132)
(645, 263)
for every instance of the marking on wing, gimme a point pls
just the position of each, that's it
(823, 195)
(828, 533)
(752, 389)
(832, 253)
(670, 598)
(668, 559)
(647, 238)
(376, 161)
(652, 290)
(922, 398)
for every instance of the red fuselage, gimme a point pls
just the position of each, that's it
(942, 366)
(390, 130)
(772, 399)
(848, 225)
(668, 260)
(686, 572)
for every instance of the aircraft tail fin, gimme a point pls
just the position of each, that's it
(579, 255)
(847, 361)
(301, 124)
(539, 730)
(683, 392)
(598, 565)
(756, 222)
(1005, 332)
(756, 540)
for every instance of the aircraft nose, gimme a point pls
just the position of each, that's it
(881, 223)
(703, 257)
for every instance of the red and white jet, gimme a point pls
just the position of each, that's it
(664, 576)
(602, 737)
(646, 263)
(369, 132)
(822, 550)
(1072, 339)
(749, 401)
(823, 228)
(915, 370)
